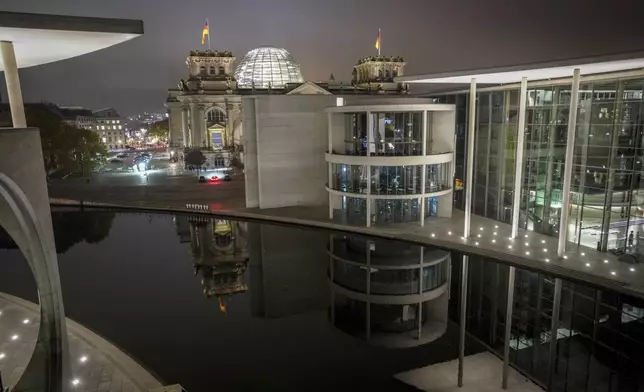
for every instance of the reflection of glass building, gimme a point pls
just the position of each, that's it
(390, 163)
(220, 255)
(389, 293)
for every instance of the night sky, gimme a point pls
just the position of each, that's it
(324, 37)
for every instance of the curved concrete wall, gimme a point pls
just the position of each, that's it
(25, 215)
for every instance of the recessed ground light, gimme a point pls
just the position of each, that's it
(565, 257)
(14, 337)
(587, 264)
(583, 254)
(493, 241)
(632, 269)
(543, 241)
(449, 233)
(495, 233)
(462, 238)
(25, 321)
(509, 246)
(433, 235)
(545, 249)
(547, 260)
(2, 355)
(511, 239)
(478, 235)
(606, 261)
(480, 228)
(83, 359)
(75, 382)
(527, 253)
(476, 243)
(526, 244)
(613, 273)
(496, 226)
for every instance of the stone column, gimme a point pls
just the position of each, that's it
(184, 126)
(195, 141)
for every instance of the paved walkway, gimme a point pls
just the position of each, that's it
(482, 373)
(96, 365)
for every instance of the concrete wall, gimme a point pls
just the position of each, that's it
(291, 138)
(249, 142)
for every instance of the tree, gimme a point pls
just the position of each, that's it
(195, 157)
(160, 130)
(65, 149)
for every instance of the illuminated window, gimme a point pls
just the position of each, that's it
(216, 116)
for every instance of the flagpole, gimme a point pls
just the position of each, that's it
(379, 41)
(208, 23)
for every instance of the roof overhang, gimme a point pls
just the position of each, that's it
(535, 71)
(41, 39)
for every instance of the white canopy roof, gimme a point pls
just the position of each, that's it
(41, 39)
(535, 71)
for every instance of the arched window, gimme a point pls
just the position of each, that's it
(387, 76)
(216, 117)
(203, 69)
(222, 71)
(394, 73)
(380, 73)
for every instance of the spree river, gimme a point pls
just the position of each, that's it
(216, 304)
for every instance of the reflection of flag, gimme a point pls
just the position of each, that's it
(205, 33)
(378, 40)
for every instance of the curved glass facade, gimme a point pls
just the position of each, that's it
(266, 67)
(390, 180)
(394, 134)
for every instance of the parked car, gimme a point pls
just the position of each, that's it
(202, 179)
(115, 160)
(227, 177)
(122, 156)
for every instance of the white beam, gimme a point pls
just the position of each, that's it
(13, 84)
(469, 176)
(518, 161)
(568, 162)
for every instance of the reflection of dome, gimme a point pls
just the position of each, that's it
(265, 65)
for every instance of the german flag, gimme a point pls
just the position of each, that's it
(205, 33)
(377, 40)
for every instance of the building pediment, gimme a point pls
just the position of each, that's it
(309, 88)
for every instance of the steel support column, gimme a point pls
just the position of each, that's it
(554, 326)
(518, 161)
(568, 162)
(462, 319)
(509, 308)
(469, 176)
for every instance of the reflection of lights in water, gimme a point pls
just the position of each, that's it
(222, 305)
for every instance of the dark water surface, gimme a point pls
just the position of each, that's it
(218, 305)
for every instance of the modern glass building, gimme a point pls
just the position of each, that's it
(390, 163)
(605, 204)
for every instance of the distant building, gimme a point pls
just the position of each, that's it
(77, 117)
(110, 128)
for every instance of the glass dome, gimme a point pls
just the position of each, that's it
(265, 65)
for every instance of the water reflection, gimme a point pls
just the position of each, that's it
(71, 228)
(219, 249)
